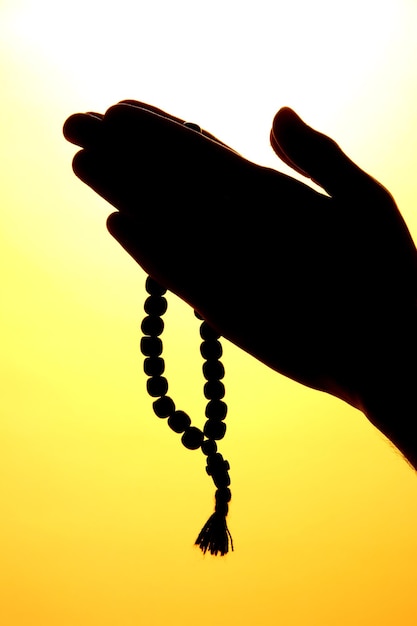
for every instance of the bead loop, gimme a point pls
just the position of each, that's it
(215, 535)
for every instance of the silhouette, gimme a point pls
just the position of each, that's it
(214, 536)
(321, 287)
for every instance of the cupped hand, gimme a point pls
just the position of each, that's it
(319, 286)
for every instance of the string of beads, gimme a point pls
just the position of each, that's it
(214, 536)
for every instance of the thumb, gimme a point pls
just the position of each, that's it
(147, 251)
(132, 238)
(315, 155)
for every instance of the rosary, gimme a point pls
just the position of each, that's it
(214, 535)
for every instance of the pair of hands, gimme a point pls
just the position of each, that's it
(321, 288)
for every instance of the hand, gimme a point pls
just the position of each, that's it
(321, 288)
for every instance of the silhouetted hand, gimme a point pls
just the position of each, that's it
(322, 288)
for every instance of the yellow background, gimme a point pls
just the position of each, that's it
(100, 504)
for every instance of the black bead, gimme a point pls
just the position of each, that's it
(192, 438)
(153, 287)
(154, 366)
(214, 390)
(152, 325)
(218, 468)
(207, 332)
(179, 421)
(214, 462)
(198, 316)
(151, 346)
(223, 495)
(211, 349)
(213, 370)
(215, 459)
(157, 386)
(216, 410)
(221, 479)
(209, 446)
(155, 305)
(214, 429)
(164, 407)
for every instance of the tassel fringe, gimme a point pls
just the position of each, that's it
(215, 536)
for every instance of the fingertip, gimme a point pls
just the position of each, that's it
(123, 116)
(82, 129)
(287, 121)
(119, 110)
(112, 223)
(119, 226)
(80, 164)
(69, 125)
(125, 231)
(133, 103)
(288, 112)
(283, 113)
(95, 114)
(285, 134)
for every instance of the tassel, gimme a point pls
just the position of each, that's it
(215, 535)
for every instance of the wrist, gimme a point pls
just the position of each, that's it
(390, 404)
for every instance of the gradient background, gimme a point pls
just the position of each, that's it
(99, 504)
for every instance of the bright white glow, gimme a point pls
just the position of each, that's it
(227, 55)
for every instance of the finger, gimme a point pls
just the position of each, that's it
(284, 157)
(127, 114)
(158, 138)
(140, 154)
(113, 177)
(152, 109)
(133, 238)
(83, 129)
(160, 112)
(122, 228)
(155, 130)
(315, 155)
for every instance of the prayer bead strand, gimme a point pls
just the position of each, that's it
(215, 536)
